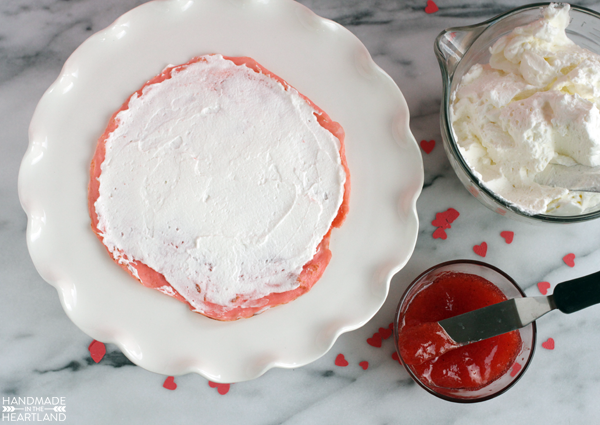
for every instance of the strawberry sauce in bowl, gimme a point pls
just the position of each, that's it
(469, 373)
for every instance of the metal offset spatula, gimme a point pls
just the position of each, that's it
(574, 177)
(496, 319)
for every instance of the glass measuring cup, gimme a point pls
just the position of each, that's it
(457, 49)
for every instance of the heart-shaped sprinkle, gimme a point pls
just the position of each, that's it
(515, 369)
(543, 287)
(395, 357)
(364, 365)
(169, 383)
(549, 344)
(451, 215)
(443, 220)
(391, 326)
(341, 361)
(427, 146)
(431, 7)
(375, 340)
(480, 249)
(97, 350)
(569, 259)
(439, 233)
(385, 332)
(508, 236)
(221, 388)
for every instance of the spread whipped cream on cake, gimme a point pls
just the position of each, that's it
(225, 181)
(535, 103)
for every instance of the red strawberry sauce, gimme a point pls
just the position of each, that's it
(468, 367)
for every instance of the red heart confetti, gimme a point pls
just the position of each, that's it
(391, 326)
(364, 365)
(440, 221)
(385, 332)
(543, 287)
(515, 369)
(443, 220)
(169, 383)
(549, 344)
(508, 236)
(439, 233)
(427, 146)
(341, 361)
(395, 357)
(569, 259)
(451, 214)
(480, 249)
(97, 350)
(431, 7)
(221, 388)
(375, 340)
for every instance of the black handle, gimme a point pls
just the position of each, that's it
(577, 294)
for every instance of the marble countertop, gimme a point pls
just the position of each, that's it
(43, 354)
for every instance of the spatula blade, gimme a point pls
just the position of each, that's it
(496, 319)
(574, 177)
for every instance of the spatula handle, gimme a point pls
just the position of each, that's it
(577, 294)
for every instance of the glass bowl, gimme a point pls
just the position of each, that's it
(510, 289)
(457, 49)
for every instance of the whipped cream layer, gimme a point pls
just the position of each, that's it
(221, 179)
(535, 103)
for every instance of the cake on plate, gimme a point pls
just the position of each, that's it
(219, 184)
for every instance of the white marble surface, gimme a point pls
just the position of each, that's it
(42, 354)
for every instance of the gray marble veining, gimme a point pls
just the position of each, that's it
(43, 354)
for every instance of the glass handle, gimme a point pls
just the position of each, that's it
(451, 45)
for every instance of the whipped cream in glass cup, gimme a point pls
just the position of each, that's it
(458, 49)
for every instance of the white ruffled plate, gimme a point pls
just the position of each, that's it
(322, 60)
